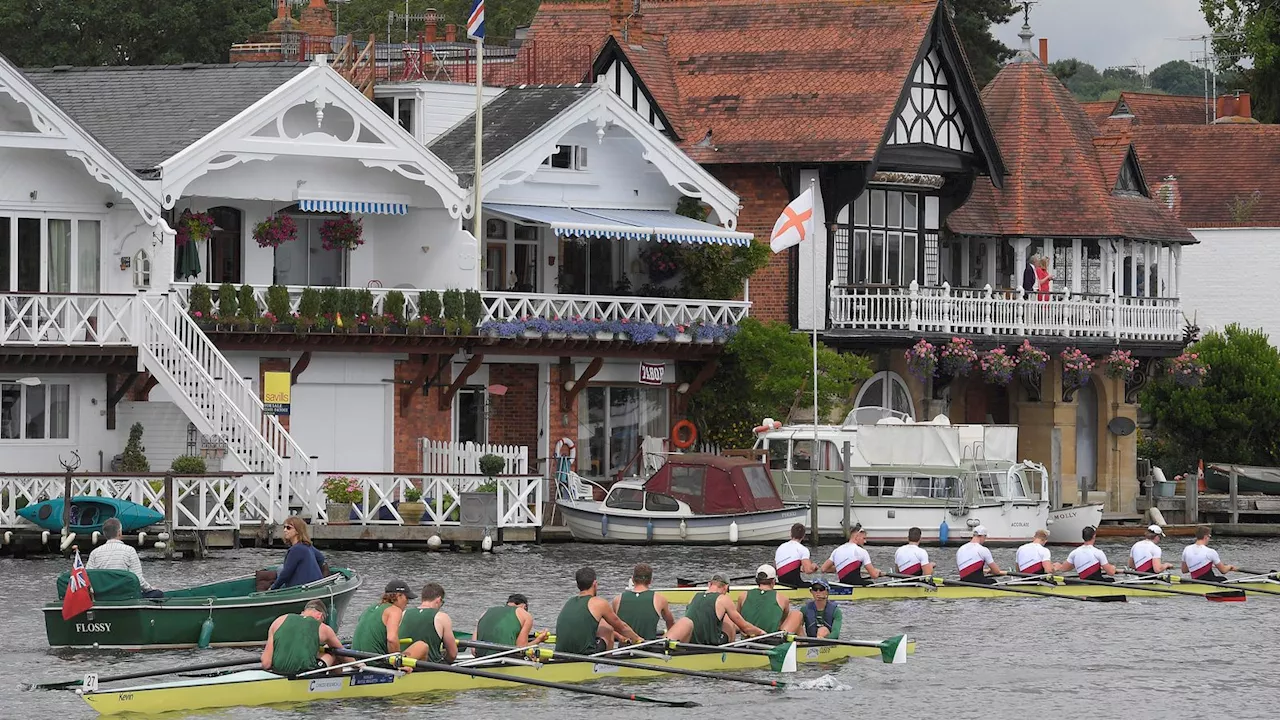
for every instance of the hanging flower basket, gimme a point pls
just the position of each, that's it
(922, 360)
(662, 261)
(1076, 368)
(1188, 370)
(342, 233)
(997, 367)
(193, 227)
(1120, 364)
(275, 231)
(1031, 360)
(957, 357)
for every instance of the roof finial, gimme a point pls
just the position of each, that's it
(1025, 54)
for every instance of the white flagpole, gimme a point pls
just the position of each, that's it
(478, 223)
(813, 460)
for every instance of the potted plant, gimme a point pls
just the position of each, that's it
(247, 304)
(1076, 368)
(642, 332)
(535, 328)
(275, 231)
(1031, 360)
(1188, 370)
(393, 305)
(603, 331)
(682, 334)
(342, 493)
(342, 233)
(192, 227)
(580, 329)
(412, 508)
(133, 459)
(662, 260)
(228, 305)
(200, 305)
(558, 329)
(490, 466)
(922, 360)
(957, 357)
(429, 306)
(997, 367)
(1120, 365)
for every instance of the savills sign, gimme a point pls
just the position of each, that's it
(652, 373)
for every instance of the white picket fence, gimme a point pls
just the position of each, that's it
(450, 458)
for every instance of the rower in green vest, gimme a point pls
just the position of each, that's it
(765, 608)
(297, 643)
(378, 629)
(587, 623)
(509, 624)
(430, 629)
(640, 607)
(712, 618)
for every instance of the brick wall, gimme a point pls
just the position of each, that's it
(424, 418)
(564, 424)
(513, 417)
(763, 196)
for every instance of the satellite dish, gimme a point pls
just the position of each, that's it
(1121, 426)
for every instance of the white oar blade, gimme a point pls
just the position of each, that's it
(894, 650)
(789, 662)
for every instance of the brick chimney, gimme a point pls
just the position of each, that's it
(1044, 50)
(450, 33)
(1234, 108)
(626, 21)
(284, 20)
(317, 21)
(431, 31)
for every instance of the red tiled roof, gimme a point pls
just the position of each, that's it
(1061, 173)
(1098, 110)
(1156, 109)
(1225, 174)
(772, 80)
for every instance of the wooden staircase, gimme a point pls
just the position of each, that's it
(358, 66)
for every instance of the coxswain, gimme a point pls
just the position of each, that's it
(1033, 558)
(1199, 560)
(711, 617)
(911, 559)
(378, 629)
(1089, 562)
(1145, 554)
(974, 560)
(509, 624)
(429, 629)
(298, 643)
(765, 608)
(822, 617)
(850, 559)
(587, 623)
(792, 558)
(640, 607)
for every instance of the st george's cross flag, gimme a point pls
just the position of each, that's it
(795, 225)
(79, 595)
(475, 21)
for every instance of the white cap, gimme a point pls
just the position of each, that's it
(1156, 529)
(767, 571)
(980, 530)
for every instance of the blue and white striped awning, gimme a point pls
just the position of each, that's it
(621, 224)
(353, 206)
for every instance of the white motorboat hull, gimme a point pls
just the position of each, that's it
(887, 524)
(588, 521)
(1065, 524)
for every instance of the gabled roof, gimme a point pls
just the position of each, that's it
(763, 80)
(1158, 109)
(652, 66)
(1098, 110)
(508, 119)
(146, 114)
(1062, 175)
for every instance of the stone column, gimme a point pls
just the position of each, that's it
(1019, 261)
(1107, 253)
(1176, 276)
(1077, 267)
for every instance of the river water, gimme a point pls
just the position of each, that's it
(992, 659)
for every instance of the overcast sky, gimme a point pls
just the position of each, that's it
(1107, 33)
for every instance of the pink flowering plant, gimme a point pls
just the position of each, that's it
(662, 260)
(342, 489)
(1120, 364)
(1031, 360)
(997, 367)
(275, 231)
(1076, 368)
(342, 233)
(922, 360)
(1188, 370)
(193, 227)
(957, 357)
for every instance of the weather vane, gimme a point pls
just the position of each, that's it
(1026, 10)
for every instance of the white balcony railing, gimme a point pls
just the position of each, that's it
(45, 319)
(519, 498)
(950, 310)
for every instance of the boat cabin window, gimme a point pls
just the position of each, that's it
(828, 458)
(930, 487)
(778, 454)
(758, 481)
(625, 499)
(1018, 485)
(880, 486)
(687, 479)
(660, 503)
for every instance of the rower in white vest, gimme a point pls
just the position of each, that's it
(1089, 562)
(911, 559)
(1144, 556)
(792, 558)
(1034, 557)
(1200, 560)
(973, 560)
(850, 559)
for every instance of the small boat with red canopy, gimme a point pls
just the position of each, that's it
(691, 499)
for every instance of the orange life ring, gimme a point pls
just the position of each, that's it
(684, 434)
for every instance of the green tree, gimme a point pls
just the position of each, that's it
(362, 18)
(1251, 33)
(766, 370)
(36, 33)
(1178, 77)
(133, 459)
(973, 20)
(1087, 84)
(1233, 417)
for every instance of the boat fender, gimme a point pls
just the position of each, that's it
(944, 533)
(684, 529)
(163, 536)
(487, 544)
(8, 538)
(142, 538)
(392, 546)
(733, 532)
(66, 541)
(604, 526)
(648, 530)
(1157, 517)
(44, 538)
(206, 632)
(160, 545)
(433, 542)
(94, 537)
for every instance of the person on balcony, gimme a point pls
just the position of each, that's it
(1029, 276)
(302, 563)
(115, 555)
(1044, 278)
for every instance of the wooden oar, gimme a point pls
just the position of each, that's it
(517, 680)
(546, 653)
(150, 673)
(1224, 596)
(892, 650)
(1225, 586)
(687, 583)
(1024, 591)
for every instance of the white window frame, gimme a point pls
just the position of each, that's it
(48, 404)
(890, 378)
(12, 214)
(457, 410)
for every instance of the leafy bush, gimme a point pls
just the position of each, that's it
(248, 303)
(201, 301)
(189, 465)
(472, 307)
(309, 305)
(412, 494)
(453, 307)
(227, 304)
(133, 460)
(429, 304)
(393, 305)
(278, 301)
(364, 302)
(330, 301)
(342, 489)
(491, 465)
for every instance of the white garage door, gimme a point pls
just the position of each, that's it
(344, 425)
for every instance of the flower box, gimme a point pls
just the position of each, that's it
(532, 335)
(580, 336)
(683, 338)
(604, 336)
(339, 513)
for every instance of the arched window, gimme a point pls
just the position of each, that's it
(888, 390)
(142, 270)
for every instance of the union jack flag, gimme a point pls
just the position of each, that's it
(79, 595)
(475, 21)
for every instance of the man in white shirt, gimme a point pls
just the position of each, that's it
(115, 555)
(973, 560)
(911, 559)
(1145, 554)
(1200, 560)
(1033, 558)
(1089, 562)
(792, 558)
(850, 559)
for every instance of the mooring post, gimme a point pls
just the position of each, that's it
(170, 514)
(1192, 492)
(1232, 489)
(846, 452)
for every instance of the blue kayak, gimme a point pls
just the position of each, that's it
(88, 512)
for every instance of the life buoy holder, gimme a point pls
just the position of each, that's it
(563, 443)
(684, 434)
